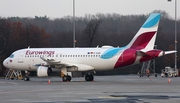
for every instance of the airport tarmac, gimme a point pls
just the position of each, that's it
(104, 89)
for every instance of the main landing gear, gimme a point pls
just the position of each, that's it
(89, 77)
(66, 78)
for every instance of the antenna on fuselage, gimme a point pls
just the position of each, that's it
(28, 47)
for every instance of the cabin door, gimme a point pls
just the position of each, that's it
(21, 56)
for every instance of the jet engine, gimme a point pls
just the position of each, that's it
(43, 71)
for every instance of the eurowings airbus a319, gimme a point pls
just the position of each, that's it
(47, 60)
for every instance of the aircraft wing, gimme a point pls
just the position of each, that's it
(51, 61)
(72, 66)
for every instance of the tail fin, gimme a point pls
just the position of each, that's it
(145, 37)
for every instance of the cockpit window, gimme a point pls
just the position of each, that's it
(11, 56)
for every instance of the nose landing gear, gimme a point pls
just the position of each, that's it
(26, 77)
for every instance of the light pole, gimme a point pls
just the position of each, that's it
(74, 39)
(175, 34)
(175, 41)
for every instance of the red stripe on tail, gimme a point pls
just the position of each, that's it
(142, 40)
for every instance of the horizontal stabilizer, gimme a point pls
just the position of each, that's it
(170, 52)
(140, 53)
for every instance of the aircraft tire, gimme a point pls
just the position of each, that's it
(26, 78)
(69, 78)
(66, 78)
(89, 77)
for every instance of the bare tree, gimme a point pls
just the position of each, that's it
(91, 30)
(4, 32)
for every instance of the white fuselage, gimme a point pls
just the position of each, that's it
(28, 59)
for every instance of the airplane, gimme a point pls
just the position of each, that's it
(63, 60)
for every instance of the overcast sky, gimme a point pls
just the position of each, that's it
(61, 8)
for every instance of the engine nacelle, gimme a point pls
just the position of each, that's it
(43, 71)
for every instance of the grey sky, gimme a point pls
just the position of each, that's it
(61, 8)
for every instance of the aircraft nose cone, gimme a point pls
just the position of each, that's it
(5, 63)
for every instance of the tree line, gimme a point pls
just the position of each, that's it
(91, 31)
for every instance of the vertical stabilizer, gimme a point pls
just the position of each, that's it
(145, 37)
